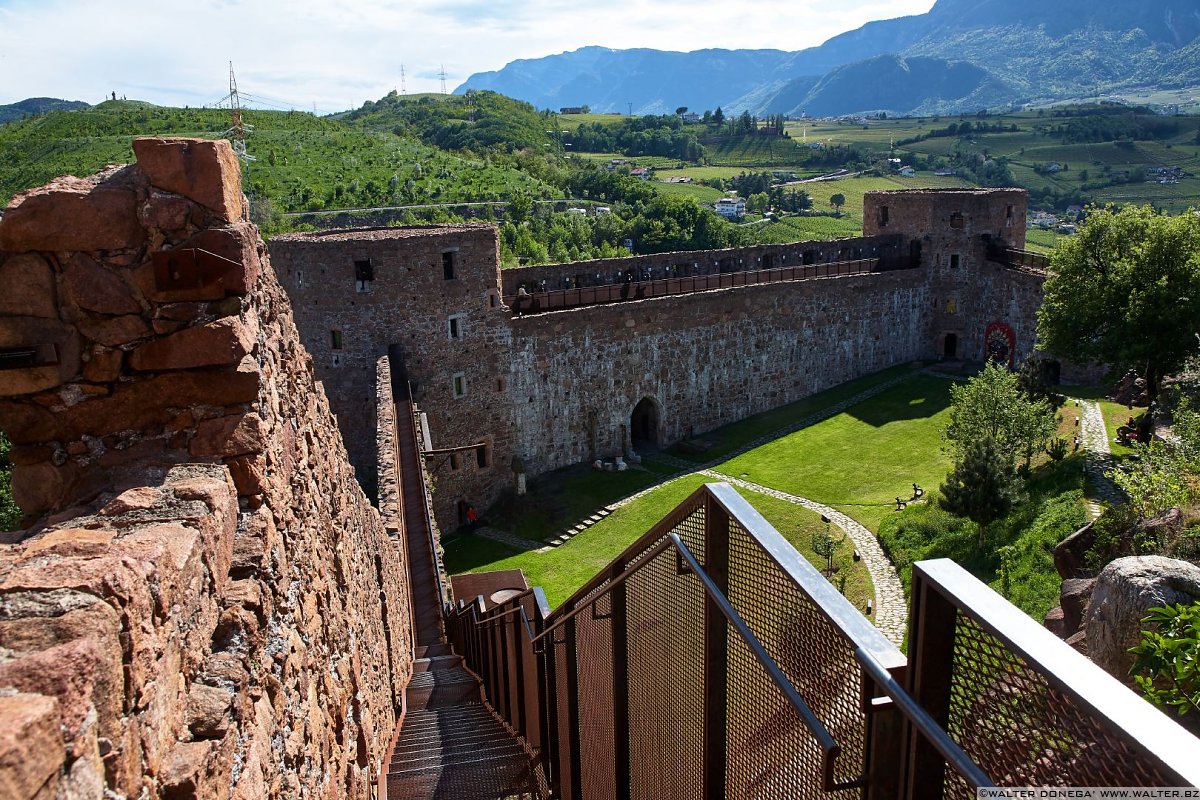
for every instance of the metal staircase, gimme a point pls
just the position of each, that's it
(450, 744)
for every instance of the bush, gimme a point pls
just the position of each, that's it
(1167, 667)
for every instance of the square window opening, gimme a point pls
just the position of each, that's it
(364, 274)
(956, 220)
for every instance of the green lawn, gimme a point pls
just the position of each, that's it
(731, 437)
(861, 460)
(1116, 415)
(564, 569)
(566, 496)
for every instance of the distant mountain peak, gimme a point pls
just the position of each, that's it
(1018, 49)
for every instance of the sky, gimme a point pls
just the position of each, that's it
(333, 55)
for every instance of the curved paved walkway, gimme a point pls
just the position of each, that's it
(1097, 456)
(891, 611)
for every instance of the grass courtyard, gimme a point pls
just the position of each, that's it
(857, 461)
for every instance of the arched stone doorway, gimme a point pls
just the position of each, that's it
(643, 425)
(950, 346)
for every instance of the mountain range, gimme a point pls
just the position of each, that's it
(37, 105)
(962, 55)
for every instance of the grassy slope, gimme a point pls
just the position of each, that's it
(309, 153)
(861, 460)
(564, 569)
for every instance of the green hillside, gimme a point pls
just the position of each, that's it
(478, 121)
(301, 162)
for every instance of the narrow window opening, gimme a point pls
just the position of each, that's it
(493, 301)
(335, 339)
(883, 216)
(364, 275)
(455, 461)
(955, 258)
(448, 266)
(956, 220)
(456, 327)
(460, 384)
(501, 385)
(483, 456)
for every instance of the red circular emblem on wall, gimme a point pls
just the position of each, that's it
(1000, 343)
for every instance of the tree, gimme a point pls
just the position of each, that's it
(1125, 291)
(681, 110)
(757, 202)
(982, 486)
(837, 201)
(718, 116)
(991, 406)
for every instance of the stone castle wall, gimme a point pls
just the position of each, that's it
(206, 604)
(559, 388)
(702, 360)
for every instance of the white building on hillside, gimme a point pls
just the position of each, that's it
(731, 207)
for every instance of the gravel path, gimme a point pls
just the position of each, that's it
(1097, 457)
(891, 611)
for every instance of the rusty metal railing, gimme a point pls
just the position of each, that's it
(557, 299)
(1025, 260)
(711, 660)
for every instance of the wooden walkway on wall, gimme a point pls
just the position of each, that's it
(450, 743)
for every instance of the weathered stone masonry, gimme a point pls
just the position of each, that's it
(206, 603)
(558, 388)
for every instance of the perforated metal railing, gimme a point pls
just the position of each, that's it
(711, 660)
(1026, 708)
(555, 299)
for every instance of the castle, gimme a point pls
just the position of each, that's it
(208, 605)
(549, 366)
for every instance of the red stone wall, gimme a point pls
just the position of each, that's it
(205, 603)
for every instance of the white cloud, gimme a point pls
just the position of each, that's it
(338, 53)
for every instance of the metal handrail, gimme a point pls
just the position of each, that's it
(554, 299)
(1067, 670)
(825, 740)
(925, 723)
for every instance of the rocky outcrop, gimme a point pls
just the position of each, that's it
(1125, 590)
(197, 608)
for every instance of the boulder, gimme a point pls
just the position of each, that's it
(1070, 555)
(1074, 596)
(1125, 591)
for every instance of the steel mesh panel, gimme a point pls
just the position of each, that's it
(1022, 731)
(596, 735)
(665, 623)
(817, 659)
